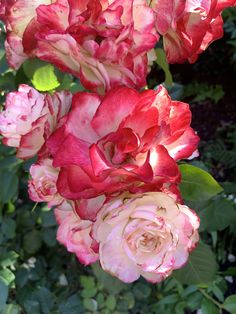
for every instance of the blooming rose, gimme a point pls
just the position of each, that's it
(18, 15)
(124, 141)
(189, 27)
(148, 235)
(104, 43)
(42, 185)
(74, 234)
(30, 117)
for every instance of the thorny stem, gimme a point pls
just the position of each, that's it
(206, 295)
(35, 205)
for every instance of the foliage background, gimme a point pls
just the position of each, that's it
(37, 275)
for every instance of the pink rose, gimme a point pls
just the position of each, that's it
(42, 185)
(17, 16)
(189, 27)
(148, 235)
(30, 117)
(124, 141)
(74, 234)
(104, 43)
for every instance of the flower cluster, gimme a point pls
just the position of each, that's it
(108, 164)
(109, 43)
(107, 160)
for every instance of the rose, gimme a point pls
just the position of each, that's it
(124, 141)
(188, 27)
(74, 234)
(18, 15)
(42, 185)
(104, 43)
(147, 234)
(108, 42)
(30, 117)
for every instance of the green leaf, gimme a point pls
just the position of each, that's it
(162, 62)
(230, 304)
(208, 307)
(49, 237)
(22, 276)
(111, 284)
(48, 219)
(229, 187)
(31, 65)
(11, 309)
(32, 306)
(76, 87)
(100, 300)
(197, 184)
(7, 81)
(218, 292)
(189, 290)
(217, 215)
(87, 282)
(9, 259)
(21, 78)
(141, 291)
(3, 64)
(170, 299)
(6, 150)
(127, 302)
(170, 284)
(231, 271)
(9, 185)
(26, 218)
(3, 293)
(41, 74)
(44, 79)
(90, 304)
(72, 305)
(194, 301)
(9, 162)
(7, 276)
(8, 228)
(89, 293)
(32, 241)
(65, 80)
(175, 91)
(45, 298)
(180, 308)
(111, 302)
(200, 269)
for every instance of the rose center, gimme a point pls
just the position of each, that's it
(47, 187)
(149, 242)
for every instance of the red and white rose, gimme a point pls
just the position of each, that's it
(104, 43)
(30, 117)
(74, 234)
(18, 15)
(188, 27)
(42, 185)
(146, 235)
(126, 141)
